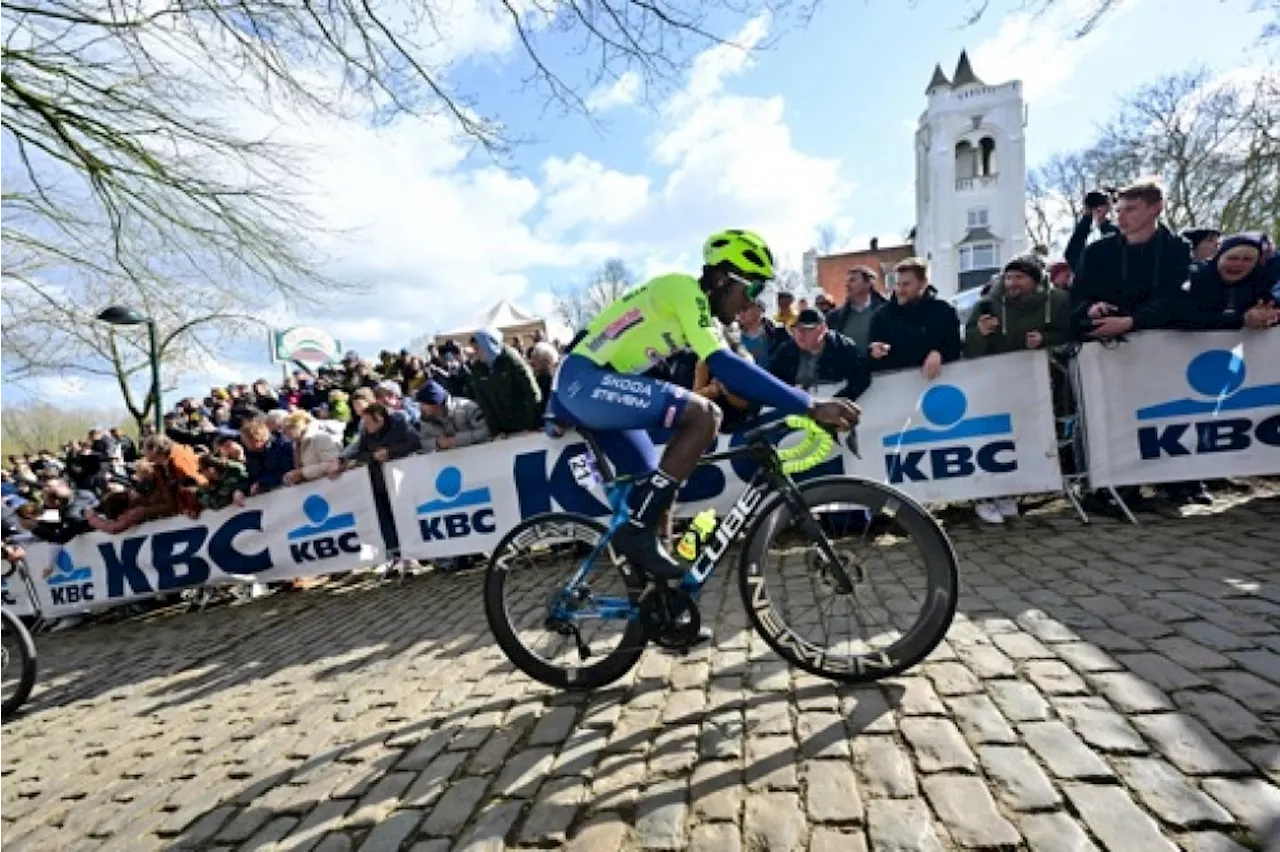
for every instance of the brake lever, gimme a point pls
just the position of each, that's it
(851, 441)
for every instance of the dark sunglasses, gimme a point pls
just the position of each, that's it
(753, 288)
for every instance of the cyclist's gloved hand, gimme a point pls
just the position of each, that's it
(836, 413)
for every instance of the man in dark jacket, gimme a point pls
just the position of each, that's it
(1021, 312)
(384, 436)
(1127, 281)
(505, 386)
(1227, 293)
(915, 329)
(268, 455)
(853, 318)
(816, 355)
(1097, 209)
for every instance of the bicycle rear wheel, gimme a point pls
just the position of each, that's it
(552, 589)
(905, 597)
(19, 662)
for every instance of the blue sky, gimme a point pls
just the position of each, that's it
(816, 129)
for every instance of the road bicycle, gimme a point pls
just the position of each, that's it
(19, 656)
(799, 559)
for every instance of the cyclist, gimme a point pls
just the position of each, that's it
(599, 386)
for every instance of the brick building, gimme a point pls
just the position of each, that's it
(833, 268)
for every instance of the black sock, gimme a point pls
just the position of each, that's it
(649, 497)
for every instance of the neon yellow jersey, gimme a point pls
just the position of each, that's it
(650, 324)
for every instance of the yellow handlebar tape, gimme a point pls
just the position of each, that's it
(809, 453)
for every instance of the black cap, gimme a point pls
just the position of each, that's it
(809, 317)
(1196, 236)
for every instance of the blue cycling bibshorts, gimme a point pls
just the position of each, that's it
(618, 409)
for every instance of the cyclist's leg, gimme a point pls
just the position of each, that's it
(618, 409)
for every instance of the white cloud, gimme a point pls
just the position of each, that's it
(1035, 46)
(728, 161)
(581, 190)
(621, 92)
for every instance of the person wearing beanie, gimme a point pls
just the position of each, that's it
(449, 421)
(1020, 312)
(1229, 292)
(1204, 242)
(1060, 275)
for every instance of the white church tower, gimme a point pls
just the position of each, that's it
(971, 175)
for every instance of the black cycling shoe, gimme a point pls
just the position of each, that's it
(642, 549)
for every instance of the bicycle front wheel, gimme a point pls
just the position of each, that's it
(903, 568)
(19, 662)
(560, 607)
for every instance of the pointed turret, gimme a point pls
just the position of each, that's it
(938, 81)
(964, 72)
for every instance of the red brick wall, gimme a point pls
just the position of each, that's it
(833, 268)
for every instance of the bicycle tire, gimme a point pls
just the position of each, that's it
(609, 668)
(923, 529)
(26, 648)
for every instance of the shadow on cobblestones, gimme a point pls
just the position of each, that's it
(1102, 685)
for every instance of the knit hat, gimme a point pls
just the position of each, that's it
(432, 393)
(1252, 240)
(1028, 264)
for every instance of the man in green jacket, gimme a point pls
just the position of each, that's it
(505, 386)
(1021, 312)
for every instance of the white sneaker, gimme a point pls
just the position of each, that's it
(1007, 506)
(988, 512)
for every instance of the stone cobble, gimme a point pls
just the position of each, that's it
(1104, 687)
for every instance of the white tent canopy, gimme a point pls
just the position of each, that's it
(510, 319)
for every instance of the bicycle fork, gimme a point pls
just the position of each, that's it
(810, 526)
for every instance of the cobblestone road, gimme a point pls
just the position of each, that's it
(1102, 687)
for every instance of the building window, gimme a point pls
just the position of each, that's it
(979, 256)
(966, 161)
(987, 161)
(978, 218)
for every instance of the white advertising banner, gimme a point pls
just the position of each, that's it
(982, 429)
(1175, 406)
(17, 592)
(308, 530)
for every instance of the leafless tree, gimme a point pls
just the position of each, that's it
(125, 169)
(1094, 13)
(1214, 143)
(578, 304)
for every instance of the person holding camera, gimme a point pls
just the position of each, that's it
(1097, 215)
(1126, 281)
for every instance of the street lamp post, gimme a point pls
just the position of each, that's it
(118, 315)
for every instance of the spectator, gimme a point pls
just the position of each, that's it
(1229, 292)
(264, 396)
(853, 318)
(229, 448)
(449, 421)
(787, 314)
(761, 336)
(128, 449)
(1020, 312)
(1203, 242)
(64, 513)
(316, 443)
(543, 358)
(268, 457)
(223, 478)
(388, 393)
(817, 355)
(824, 304)
(413, 376)
(1097, 212)
(505, 386)
(1060, 275)
(916, 329)
(361, 398)
(384, 436)
(175, 480)
(1125, 281)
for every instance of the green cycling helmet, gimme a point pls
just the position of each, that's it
(744, 253)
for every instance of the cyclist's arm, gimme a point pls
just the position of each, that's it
(739, 376)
